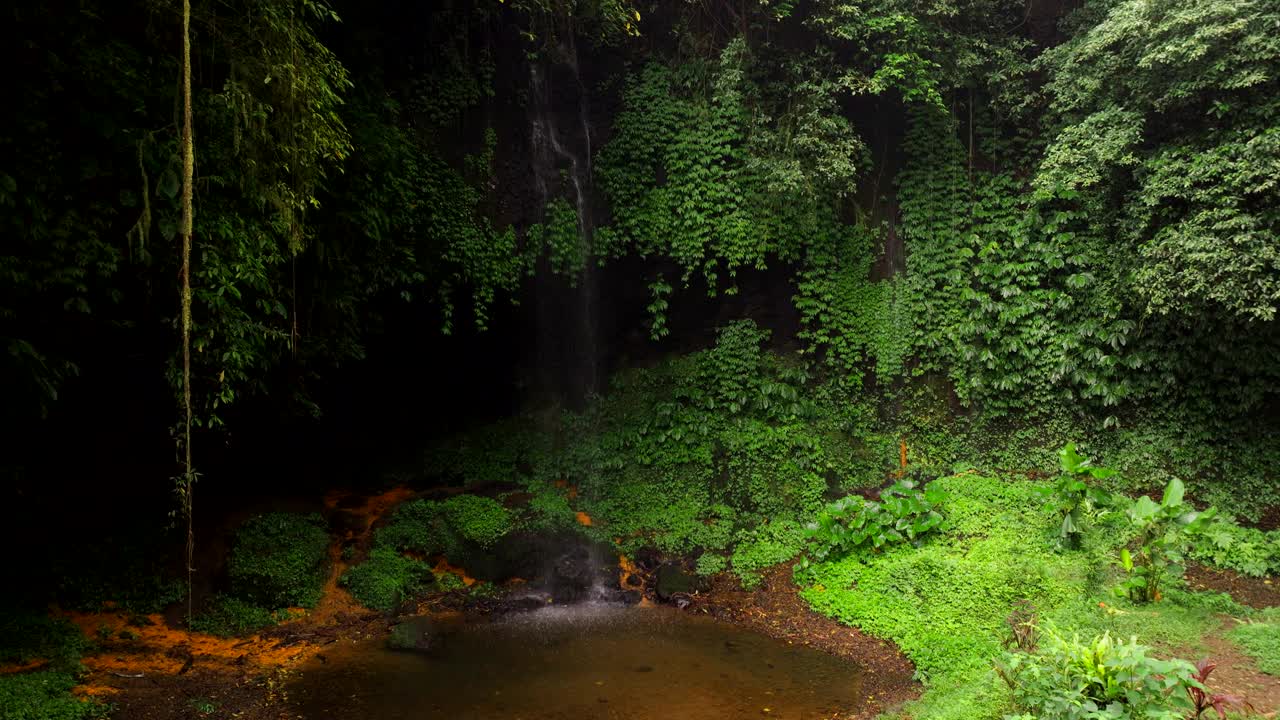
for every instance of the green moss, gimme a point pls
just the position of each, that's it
(280, 560)
(386, 579)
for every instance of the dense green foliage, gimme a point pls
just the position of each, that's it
(1071, 679)
(280, 560)
(228, 616)
(44, 695)
(902, 514)
(386, 579)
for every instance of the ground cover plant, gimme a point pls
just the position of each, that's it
(1260, 638)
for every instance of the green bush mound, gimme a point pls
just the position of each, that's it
(449, 527)
(44, 695)
(386, 579)
(947, 602)
(460, 528)
(280, 560)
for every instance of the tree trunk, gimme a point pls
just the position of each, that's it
(188, 214)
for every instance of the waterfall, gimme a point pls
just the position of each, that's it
(554, 153)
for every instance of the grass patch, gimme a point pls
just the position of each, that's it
(1261, 641)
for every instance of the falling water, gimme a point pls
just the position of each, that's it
(552, 154)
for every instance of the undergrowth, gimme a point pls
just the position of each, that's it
(946, 603)
(45, 695)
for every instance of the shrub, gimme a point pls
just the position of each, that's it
(44, 695)
(1072, 498)
(451, 527)
(1073, 680)
(1163, 535)
(904, 514)
(475, 519)
(387, 579)
(227, 616)
(280, 560)
(765, 547)
(711, 564)
(413, 527)
(1248, 551)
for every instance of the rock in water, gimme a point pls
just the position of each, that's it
(673, 580)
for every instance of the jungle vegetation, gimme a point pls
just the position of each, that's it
(716, 265)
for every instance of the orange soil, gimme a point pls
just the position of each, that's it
(443, 566)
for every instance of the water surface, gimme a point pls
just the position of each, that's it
(580, 662)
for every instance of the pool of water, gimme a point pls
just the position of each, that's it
(580, 662)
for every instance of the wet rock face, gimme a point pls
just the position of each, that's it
(675, 584)
(559, 568)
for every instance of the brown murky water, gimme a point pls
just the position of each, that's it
(583, 663)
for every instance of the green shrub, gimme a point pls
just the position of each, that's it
(1248, 551)
(475, 519)
(449, 582)
(386, 579)
(765, 547)
(1164, 533)
(1073, 680)
(414, 526)
(711, 564)
(280, 560)
(227, 616)
(453, 527)
(1072, 498)
(549, 509)
(1261, 640)
(853, 523)
(44, 695)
